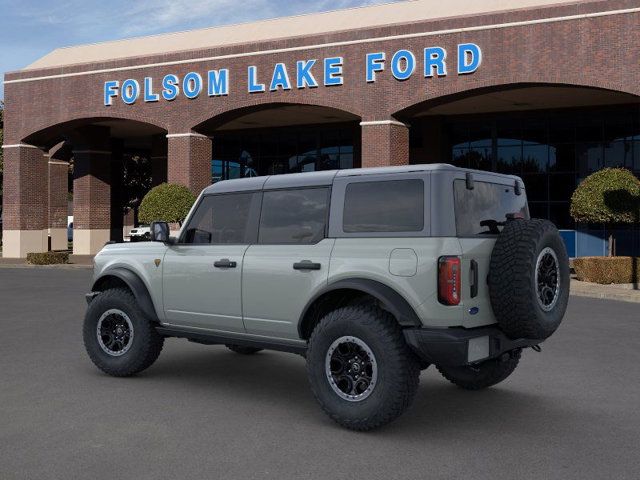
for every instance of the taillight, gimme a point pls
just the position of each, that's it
(449, 280)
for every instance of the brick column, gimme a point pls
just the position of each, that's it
(91, 200)
(158, 160)
(384, 143)
(189, 160)
(25, 202)
(58, 191)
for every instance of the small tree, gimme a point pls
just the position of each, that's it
(166, 202)
(609, 196)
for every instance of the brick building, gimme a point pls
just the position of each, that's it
(546, 89)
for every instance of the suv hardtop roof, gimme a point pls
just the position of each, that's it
(326, 177)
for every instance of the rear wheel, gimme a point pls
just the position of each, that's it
(361, 371)
(118, 336)
(241, 349)
(482, 375)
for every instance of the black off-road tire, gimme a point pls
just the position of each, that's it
(242, 350)
(146, 345)
(483, 375)
(398, 368)
(512, 279)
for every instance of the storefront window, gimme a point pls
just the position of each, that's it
(275, 151)
(551, 150)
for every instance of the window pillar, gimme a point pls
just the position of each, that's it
(384, 143)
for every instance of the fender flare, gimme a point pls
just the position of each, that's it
(392, 301)
(135, 284)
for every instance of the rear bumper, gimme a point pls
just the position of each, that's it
(461, 346)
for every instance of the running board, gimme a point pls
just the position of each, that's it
(206, 338)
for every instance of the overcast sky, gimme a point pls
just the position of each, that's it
(30, 29)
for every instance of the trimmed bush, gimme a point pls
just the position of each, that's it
(166, 202)
(606, 270)
(48, 258)
(611, 195)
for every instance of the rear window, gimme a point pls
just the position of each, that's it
(484, 210)
(385, 206)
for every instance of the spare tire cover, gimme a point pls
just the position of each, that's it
(529, 279)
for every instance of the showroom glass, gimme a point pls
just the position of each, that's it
(488, 203)
(223, 219)
(295, 216)
(256, 152)
(552, 150)
(387, 206)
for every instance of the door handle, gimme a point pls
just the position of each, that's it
(474, 279)
(225, 263)
(306, 265)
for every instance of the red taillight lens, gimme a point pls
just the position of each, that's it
(449, 280)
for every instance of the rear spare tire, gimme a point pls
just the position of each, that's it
(529, 279)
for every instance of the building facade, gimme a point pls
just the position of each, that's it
(547, 89)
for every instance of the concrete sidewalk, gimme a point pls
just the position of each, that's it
(624, 292)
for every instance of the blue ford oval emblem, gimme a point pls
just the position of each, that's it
(473, 310)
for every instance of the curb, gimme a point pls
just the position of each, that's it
(67, 266)
(604, 292)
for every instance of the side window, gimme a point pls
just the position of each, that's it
(224, 219)
(296, 216)
(384, 206)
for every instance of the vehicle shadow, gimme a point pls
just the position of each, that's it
(280, 381)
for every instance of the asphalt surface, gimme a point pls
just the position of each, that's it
(572, 411)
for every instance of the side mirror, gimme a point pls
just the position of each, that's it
(160, 232)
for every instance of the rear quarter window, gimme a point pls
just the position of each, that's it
(484, 210)
(384, 206)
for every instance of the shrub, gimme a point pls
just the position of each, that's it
(609, 196)
(48, 258)
(606, 270)
(166, 202)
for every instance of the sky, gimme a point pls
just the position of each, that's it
(30, 29)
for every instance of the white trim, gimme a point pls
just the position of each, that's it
(383, 122)
(190, 134)
(58, 162)
(95, 152)
(20, 145)
(332, 44)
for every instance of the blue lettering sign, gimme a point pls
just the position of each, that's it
(192, 85)
(469, 58)
(375, 63)
(218, 83)
(280, 78)
(333, 71)
(170, 86)
(434, 58)
(130, 91)
(254, 86)
(149, 96)
(403, 64)
(110, 92)
(304, 76)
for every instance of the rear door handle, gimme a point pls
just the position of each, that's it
(306, 265)
(225, 263)
(474, 279)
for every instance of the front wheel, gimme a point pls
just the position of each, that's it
(361, 372)
(482, 375)
(119, 338)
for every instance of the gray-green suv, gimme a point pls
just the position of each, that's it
(371, 274)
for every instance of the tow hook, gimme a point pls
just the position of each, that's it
(536, 348)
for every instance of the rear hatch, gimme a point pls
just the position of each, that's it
(481, 209)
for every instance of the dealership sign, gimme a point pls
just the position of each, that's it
(310, 73)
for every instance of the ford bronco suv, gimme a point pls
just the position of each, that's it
(370, 274)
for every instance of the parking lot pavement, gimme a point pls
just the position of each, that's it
(205, 412)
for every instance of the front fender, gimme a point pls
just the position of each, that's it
(135, 284)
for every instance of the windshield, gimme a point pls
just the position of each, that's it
(484, 210)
